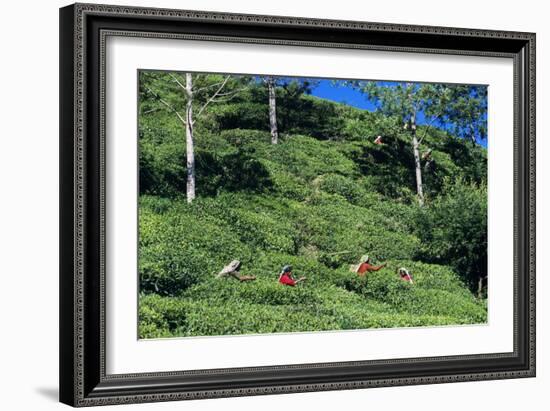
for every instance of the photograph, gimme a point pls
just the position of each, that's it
(283, 204)
(291, 200)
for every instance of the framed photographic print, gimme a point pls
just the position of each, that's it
(261, 204)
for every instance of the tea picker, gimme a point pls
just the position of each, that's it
(232, 270)
(286, 278)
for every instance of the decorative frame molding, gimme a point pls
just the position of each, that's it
(83, 32)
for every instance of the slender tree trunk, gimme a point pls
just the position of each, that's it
(418, 168)
(480, 287)
(272, 111)
(189, 138)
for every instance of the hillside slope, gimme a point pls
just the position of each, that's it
(317, 202)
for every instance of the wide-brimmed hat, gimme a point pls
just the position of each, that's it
(229, 268)
(365, 258)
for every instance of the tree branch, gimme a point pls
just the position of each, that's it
(267, 79)
(212, 97)
(207, 87)
(427, 128)
(228, 96)
(223, 100)
(150, 111)
(178, 82)
(168, 105)
(231, 92)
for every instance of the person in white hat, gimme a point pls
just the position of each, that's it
(405, 275)
(232, 270)
(366, 267)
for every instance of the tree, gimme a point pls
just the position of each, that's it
(458, 109)
(181, 94)
(271, 83)
(293, 88)
(453, 230)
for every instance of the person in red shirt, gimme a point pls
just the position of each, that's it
(405, 275)
(286, 278)
(366, 267)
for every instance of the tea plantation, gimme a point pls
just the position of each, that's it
(318, 200)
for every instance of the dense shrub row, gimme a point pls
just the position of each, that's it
(183, 246)
(217, 307)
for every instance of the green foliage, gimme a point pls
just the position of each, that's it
(176, 250)
(266, 234)
(333, 226)
(387, 167)
(353, 190)
(307, 158)
(297, 113)
(461, 108)
(318, 200)
(454, 229)
(224, 307)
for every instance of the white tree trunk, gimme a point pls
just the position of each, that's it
(272, 111)
(480, 287)
(189, 138)
(417, 165)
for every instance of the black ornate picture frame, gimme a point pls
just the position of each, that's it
(83, 31)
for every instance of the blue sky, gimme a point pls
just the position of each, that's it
(346, 95)
(353, 97)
